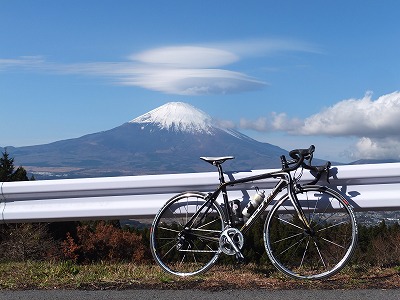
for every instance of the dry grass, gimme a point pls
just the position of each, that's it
(66, 275)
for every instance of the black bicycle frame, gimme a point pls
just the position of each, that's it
(285, 181)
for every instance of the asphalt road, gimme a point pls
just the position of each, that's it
(202, 295)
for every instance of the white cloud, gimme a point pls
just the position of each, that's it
(260, 124)
(377, 148)
(376, 123)
(275, 122)
(189, 70)
(262, 47)
(183, 70)
(193, 81)
(25, 62)
(186, 57)
(357, 117)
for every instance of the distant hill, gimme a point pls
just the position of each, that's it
(373, 161)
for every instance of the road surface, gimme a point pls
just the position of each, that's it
(202, 295)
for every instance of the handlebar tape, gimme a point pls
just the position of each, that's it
(299, 155)
(302, 153)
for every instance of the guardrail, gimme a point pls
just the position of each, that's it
(367, 187)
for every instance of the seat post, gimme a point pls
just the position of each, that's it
(220, 173)
(224, 192)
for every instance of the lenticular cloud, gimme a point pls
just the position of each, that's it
(194, 81)
(189, 70)
(187, 57)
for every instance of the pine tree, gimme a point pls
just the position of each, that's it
(7, 172)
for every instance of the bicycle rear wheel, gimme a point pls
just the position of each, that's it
(317, 253)
(187, 249)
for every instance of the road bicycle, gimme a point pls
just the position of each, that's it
(310, 231)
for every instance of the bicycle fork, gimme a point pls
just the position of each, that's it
(299, 210)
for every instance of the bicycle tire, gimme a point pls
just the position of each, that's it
(182, 250)
(315, 254)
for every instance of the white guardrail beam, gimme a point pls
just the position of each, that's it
(367, 187)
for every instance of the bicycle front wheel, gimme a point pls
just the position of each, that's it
(183, 248)
(317, 253)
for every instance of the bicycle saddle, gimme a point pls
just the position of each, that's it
(216, 160)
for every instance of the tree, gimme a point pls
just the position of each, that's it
(7, 168)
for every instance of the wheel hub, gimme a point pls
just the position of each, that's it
(182, 241)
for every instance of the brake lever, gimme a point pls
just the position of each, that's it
(320, 170)
(328, 174)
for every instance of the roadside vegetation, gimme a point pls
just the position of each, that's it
(102, 255)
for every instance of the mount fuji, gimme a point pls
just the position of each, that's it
(168, 139)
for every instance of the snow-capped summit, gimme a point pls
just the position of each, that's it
(179, 117)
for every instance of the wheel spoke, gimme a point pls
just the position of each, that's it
(290, 223)
(333, 243)
(291, 246)
(304, 254)
(288, 238)
(319, 253)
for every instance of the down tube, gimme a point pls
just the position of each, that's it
(257, 213)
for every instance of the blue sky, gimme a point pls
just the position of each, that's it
(291, 73)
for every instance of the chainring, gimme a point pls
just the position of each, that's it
(236, 237)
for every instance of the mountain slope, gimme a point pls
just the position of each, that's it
(169, 139)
